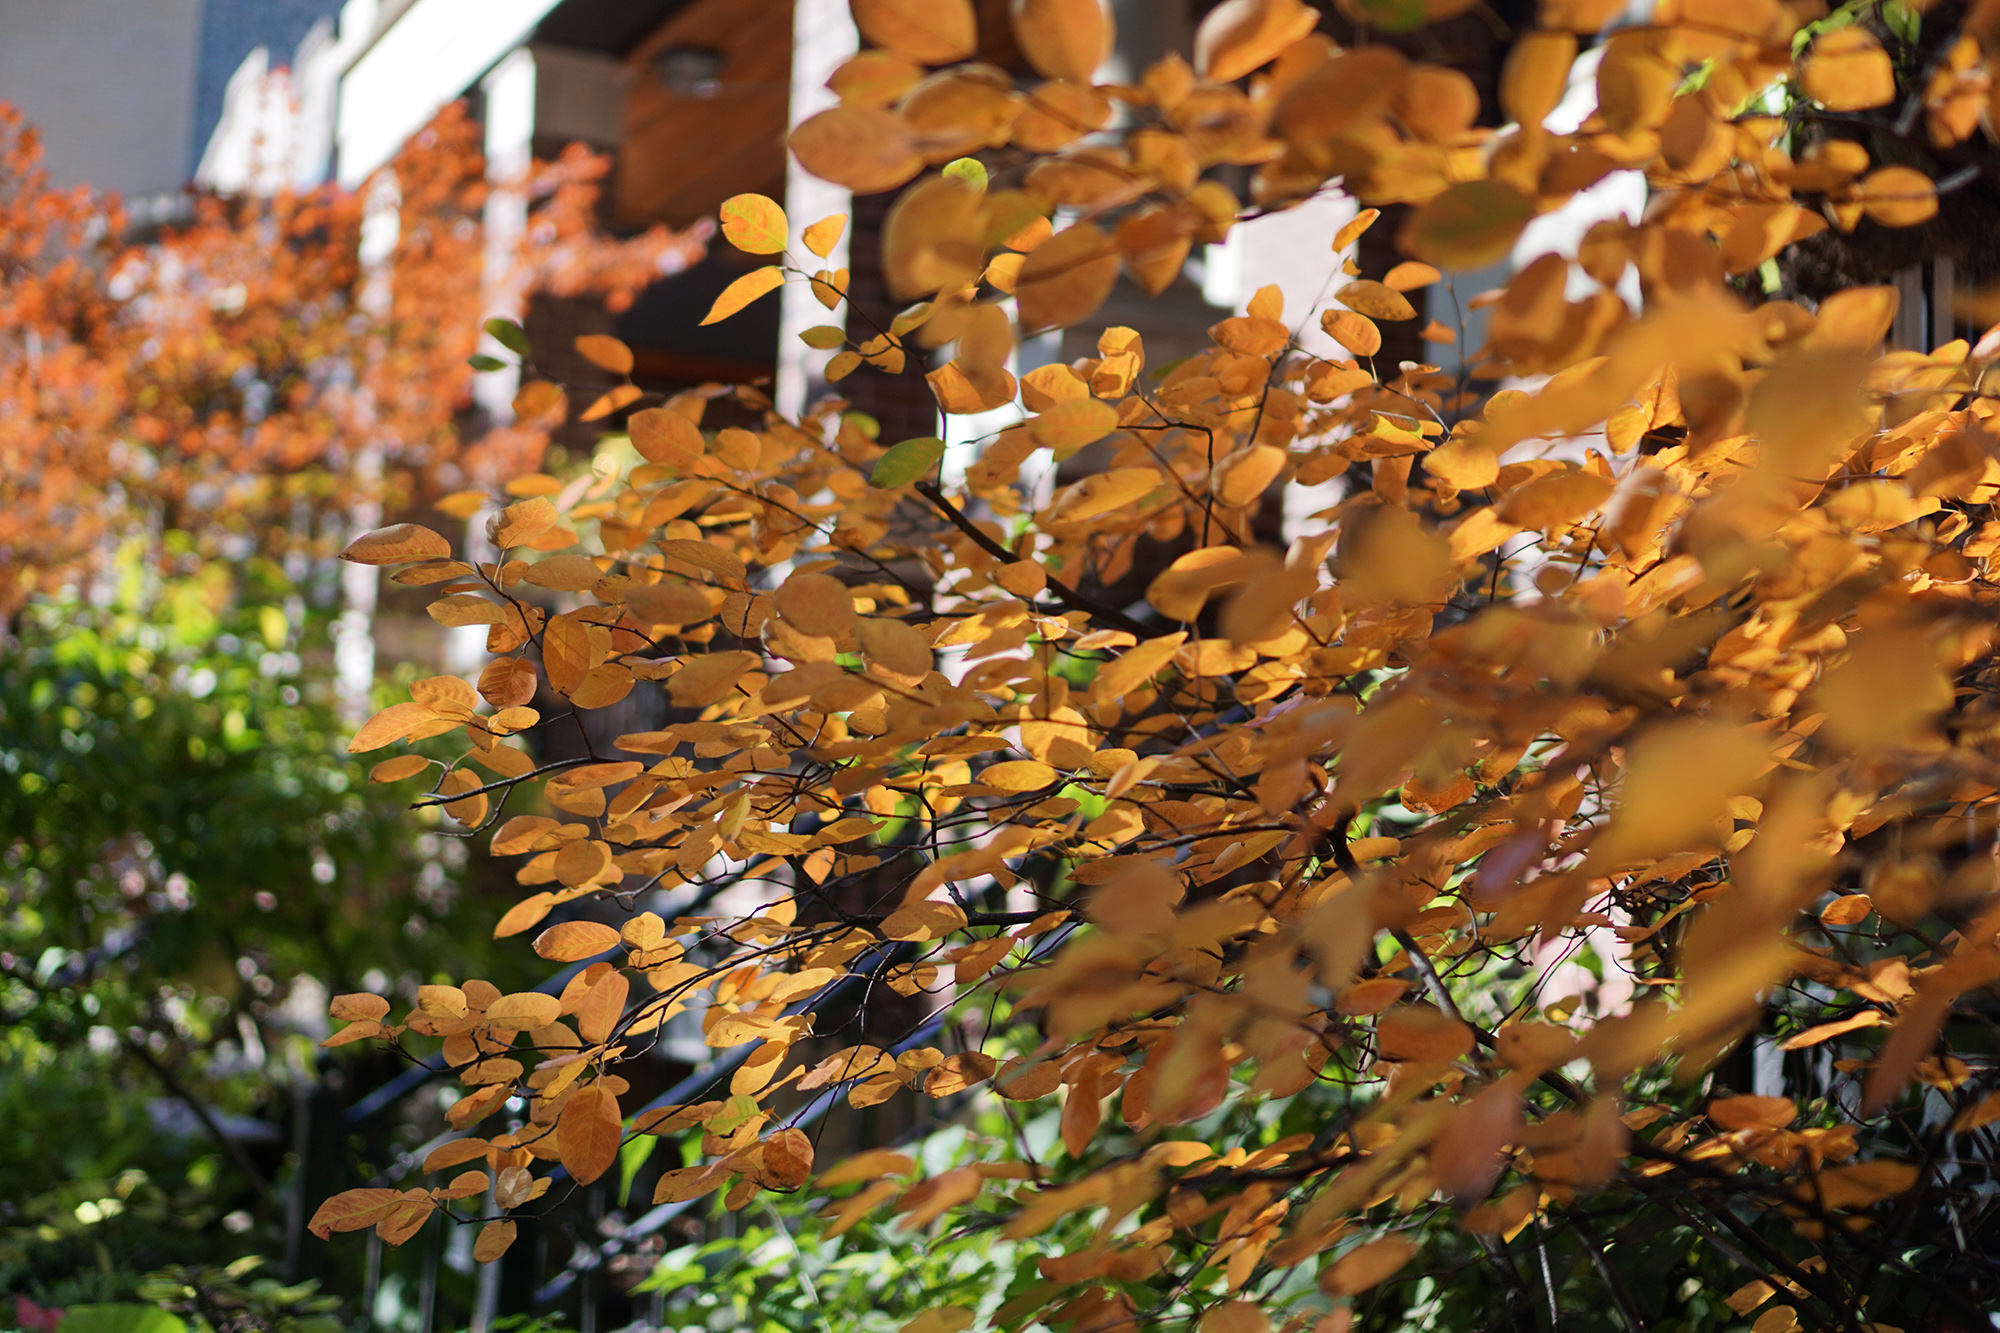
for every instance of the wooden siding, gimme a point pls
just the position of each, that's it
(682, 155)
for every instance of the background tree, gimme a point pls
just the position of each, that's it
(221, 380)
(188, 861)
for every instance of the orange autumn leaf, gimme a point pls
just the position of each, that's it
(588, 1133)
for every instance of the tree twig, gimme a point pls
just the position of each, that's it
(1059, 590)
(230, 1147)
(1594, 1246)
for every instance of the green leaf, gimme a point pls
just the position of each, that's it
(1470, 225)
(823, 337)
(484, 362)
(509, 335)
(119, 1319)
(1396, 15)
(906, 462)
(967, 171)
(1903, 20)
(630, 1158)
(735, 1113)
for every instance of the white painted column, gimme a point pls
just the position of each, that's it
(823, 35)
(510, 91)
(510, 132)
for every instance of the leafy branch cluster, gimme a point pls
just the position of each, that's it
(1678, 662)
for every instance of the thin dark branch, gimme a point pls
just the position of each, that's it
(230, 1147)
(1059, 590)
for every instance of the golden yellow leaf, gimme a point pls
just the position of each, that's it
(1749, 1296)
(956, 1073)
(706, 678)
(754, 224)
(1886, 691)
(588, 1132)
(1073, 423)
(494, 1240)
(1847, 70)
(566, 653)
(606, 352)
(704, 555)
(1246, 474)
(870, 1165)
(1635, 85)
(1468, 1155)
(1554, 501)
(788, 1160)
(1678, 783)
(524, 915)
(352, 1210)
(817, 604)
(1470, 225)
(1353, 229)
(402, 544)
(455, 1153)
(1777, 1319)
(1367, 1266)
(621, 397)
(924, 32)
(746, 289)
(829, 288)
(1238, 36)
(664, 435)
(523, 1011)
(1104, 492)
(873, 79)
(667, 603)
(933, 237)
(1371, 996)
(598, 1012)
(1357, 333)
(1018, 775)
(582, 862)
(1579, 16)
(565, 573)
(1898, 196)
(895, 646)
(572, 940)
(358, 1007)
(1857, 318)
(1387, 557)
(1233, 1317)
(923, 921)
(1183, 588)
(1417, 1032)
(943, 1319)
(1021, 1081)
(1410, 276)
(1063, 39)
(822, 236)
(394, 723)
(507, 682)
(1066, 278)
(961, 393)
(1136, 666)
(1749, 1112)
(519, 524)
(1537, 70)
(540, 399)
